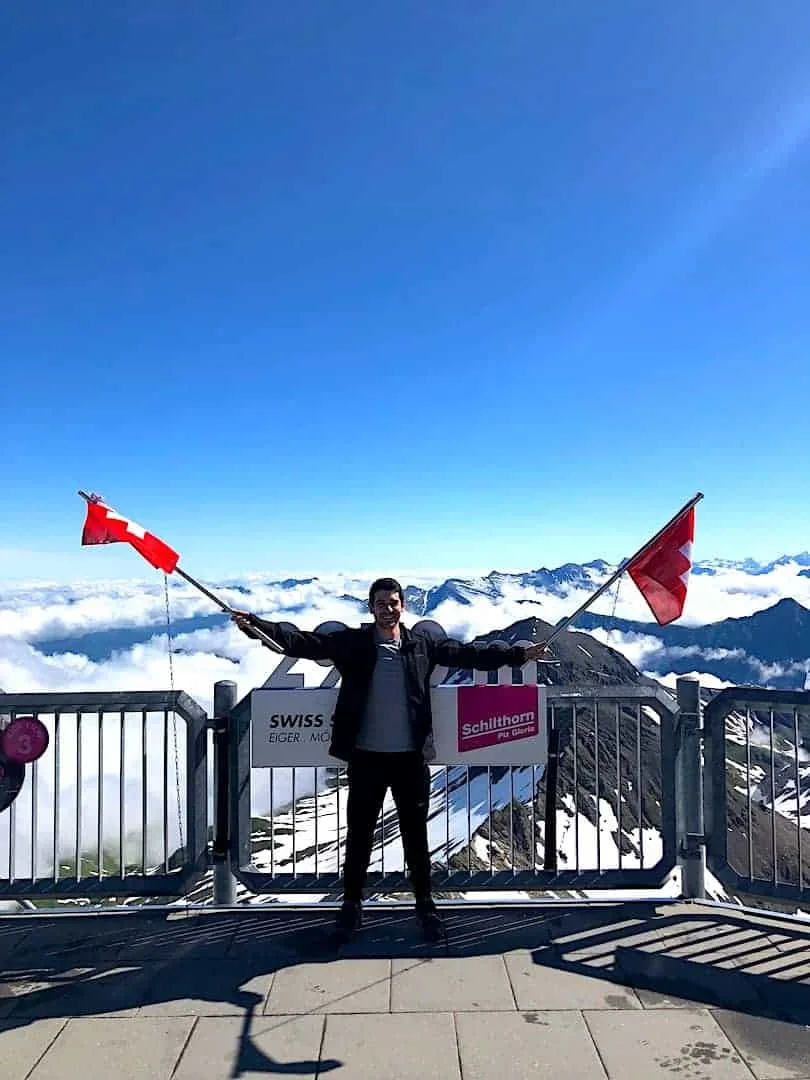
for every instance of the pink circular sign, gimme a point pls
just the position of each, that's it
(24, 740)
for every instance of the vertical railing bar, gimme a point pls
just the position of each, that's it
(749, 813)
(56, 779)
(469, 821)
(447, 817)
(640, 781)
(12, 832)
(382, 841)
(317, 814)
(554, 727)
(774, 868)
(272, 823)
(337, 817)
(78, 852)
(144, 793)
(34, 799)
(122, 810)
(619, 779)
(534, 818)
(512, 817)
(166, 791)
(575, 739)
(596, 783)
(100, 822)
(34, 802)
(294, 825)
(489, 815)
(798, 794)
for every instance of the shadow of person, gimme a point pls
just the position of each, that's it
(250, 1058)
(35, 987)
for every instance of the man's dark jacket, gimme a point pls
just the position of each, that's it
(354, 654)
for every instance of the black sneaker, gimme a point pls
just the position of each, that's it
(431, 920)
(349, 918)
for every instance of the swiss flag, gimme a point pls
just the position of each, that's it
(661, 571)
(104, 525)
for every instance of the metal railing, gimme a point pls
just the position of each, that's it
(610, 823)
(117, 806)
(757, 797)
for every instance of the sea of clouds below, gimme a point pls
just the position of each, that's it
(40, 611)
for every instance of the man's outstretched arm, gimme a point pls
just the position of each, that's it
(301, 643)
(485, 657)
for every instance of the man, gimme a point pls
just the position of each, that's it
(384, 729)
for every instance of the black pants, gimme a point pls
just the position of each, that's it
(370, 776)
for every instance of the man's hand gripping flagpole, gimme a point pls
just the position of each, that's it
(104, 525)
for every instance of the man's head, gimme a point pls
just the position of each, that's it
(386, 602)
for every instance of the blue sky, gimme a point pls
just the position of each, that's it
(320, 287)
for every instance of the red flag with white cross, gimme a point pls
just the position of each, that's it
(661, 571)
(104, 525)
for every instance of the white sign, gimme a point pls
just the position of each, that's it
(472, 725)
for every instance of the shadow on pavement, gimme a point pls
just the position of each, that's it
(703, 956)
(100, 964)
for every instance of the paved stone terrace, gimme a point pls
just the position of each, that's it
(629, 992)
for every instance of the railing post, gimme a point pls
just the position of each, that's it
(224, 881)
(689, 799)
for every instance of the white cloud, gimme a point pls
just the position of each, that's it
(706, 679)
(37, 611)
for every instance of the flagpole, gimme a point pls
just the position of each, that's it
(614, 577)
(255, 631)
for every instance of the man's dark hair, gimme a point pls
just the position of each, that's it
(385, 584)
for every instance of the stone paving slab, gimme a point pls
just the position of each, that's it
(222, 1047)
(40, 992)
(394, 934)
(394, 1046)
(488, 931)
(651, 999)
(538, 986)
(344, 986)
(207, 940)
(100, 1047)
(280, 932)
(542, 1045)
(720, 943)
(195, 989)
(773, 1050)
(451, 984)
(655, 1044)
(21, 1047)
(107, 991)
(113, 991)
(77, 937)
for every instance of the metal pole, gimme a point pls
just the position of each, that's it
(550, 843)
(689, 791)
(224, 881)
(254, 630)
(615, 577)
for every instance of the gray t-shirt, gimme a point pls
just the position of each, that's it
(386, 724)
